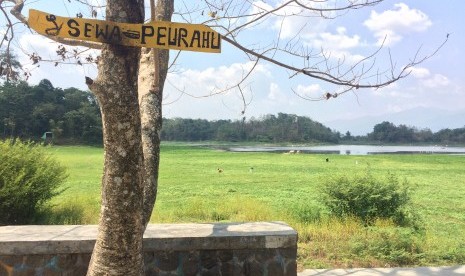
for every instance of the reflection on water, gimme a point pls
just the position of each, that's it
(354, 149)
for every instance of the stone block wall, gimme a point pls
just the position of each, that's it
(259, 248)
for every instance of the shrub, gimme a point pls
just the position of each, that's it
(29, 178)
(366, 197)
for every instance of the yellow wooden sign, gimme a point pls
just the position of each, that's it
(158, 34)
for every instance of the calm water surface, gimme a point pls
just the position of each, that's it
(354, 149)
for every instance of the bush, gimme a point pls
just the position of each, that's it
(29, 177)
(366, 197)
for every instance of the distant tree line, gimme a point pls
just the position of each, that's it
(298, 129)
(27, 112)
(269, 128)
(387, 132)
(73, 116)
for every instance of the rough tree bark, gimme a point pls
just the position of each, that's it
(118, 250)
(152, 75)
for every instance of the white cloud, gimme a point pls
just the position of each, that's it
(312, 91)
(385, 92)
(260, 7)
(209, 97)
(337, 45)
(394, 24)
(274, 91)
(214, 79)
(426, 79)
(338, 41)
(291, 22)
(275, 94)
(304, 26)
(295, 25)
(419, 72)
(437, 80)
(396, 108)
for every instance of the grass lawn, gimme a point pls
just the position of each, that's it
(272, 186)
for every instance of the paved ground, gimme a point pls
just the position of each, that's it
(419, 271)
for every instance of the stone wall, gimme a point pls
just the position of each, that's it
(259, 248)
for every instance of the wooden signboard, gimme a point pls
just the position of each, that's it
(158, 34)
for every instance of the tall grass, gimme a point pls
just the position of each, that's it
(286, 188)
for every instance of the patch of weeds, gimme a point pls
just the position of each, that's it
(71, 214)
(455, 254)
(394, 246)
(227, 209)
(305, 213)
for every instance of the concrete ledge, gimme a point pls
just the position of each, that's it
(256, 248)
(65, 239)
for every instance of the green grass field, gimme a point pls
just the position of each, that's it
(272, 186)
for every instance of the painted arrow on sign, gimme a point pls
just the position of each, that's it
(158, 34)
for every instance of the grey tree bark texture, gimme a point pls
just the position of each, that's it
(118, 250)
(152, 76)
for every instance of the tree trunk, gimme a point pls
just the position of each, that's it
(152, 75)
(118, 250)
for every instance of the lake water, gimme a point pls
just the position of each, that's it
(354, 149)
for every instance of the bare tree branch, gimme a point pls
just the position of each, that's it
(340, 80)
(233, 17)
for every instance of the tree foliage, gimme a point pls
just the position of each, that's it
(28, 111)
(270, 128)
(388, 132)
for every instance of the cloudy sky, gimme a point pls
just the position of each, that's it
(404, 28)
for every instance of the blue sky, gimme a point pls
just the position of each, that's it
(437, 85)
